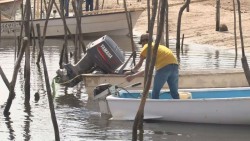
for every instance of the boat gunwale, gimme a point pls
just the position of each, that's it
(115, 98)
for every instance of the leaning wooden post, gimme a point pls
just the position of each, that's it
(45, 26)
(217, 15)
(14, 77)
(151, 65)
(49, 94)
(244, 58)
(129, 22)
(139, 116)
(179, 29)
(5, 80)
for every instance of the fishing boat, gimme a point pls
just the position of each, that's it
(110, 22)
(8, 8)
(205, 105)
(187, 79)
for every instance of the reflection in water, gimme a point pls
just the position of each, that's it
(27, 120)
(8, 123)
(217, 60)
(79, 118)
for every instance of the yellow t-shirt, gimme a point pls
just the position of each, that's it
(164, 56)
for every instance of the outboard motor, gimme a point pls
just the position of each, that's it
(102, 54)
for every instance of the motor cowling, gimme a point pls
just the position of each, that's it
(103, 55)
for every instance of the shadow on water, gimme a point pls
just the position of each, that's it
(79, 119)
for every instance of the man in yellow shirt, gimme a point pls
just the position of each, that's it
(166, 66)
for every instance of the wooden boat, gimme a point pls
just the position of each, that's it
(110, 22)
(210, 105)
(8, 8)
(188, 79)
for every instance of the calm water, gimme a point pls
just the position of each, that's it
(80, 120)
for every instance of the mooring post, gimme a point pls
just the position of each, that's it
(179, 29)
(27, 51)
(49, 94)
(217, 15)
(14, 77)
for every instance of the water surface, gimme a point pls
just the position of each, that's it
(79, 119)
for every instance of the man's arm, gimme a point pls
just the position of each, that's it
(135, 69)
(138, 65)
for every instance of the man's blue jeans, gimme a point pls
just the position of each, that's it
(169, 74)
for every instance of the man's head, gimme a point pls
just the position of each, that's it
(144, 38)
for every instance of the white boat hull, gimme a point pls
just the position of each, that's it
(97, 24)
(217, 110)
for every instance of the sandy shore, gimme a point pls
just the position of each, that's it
(198, 25)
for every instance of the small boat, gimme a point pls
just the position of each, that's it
(205, 105)
(8, 8)
(188, 79)
(94, 23)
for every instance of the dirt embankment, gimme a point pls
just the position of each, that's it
(198, 25)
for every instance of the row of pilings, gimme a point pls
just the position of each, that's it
(27, 33)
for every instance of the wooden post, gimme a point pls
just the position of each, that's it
(14, 77)
(147, 80)
(27, 51)
(49, 94)
(129, 22)
(152, 63)
(149, 13)
(166, 28)
(244, 58)
(217, 15)
(179, 29)
(235, 35)
(182, 41)
(5, 80)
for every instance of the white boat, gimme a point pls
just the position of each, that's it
(188, 79)
(8, 8)
(110, 22)
(210, 105)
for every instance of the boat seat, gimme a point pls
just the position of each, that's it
(185, 95)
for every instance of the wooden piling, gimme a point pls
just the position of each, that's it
(14, 77)
(179, 29)
(148, 74)
(217, 28)
(27, 51)
(235, 33)
(129, 22)
(49, 94)
(244, 58)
